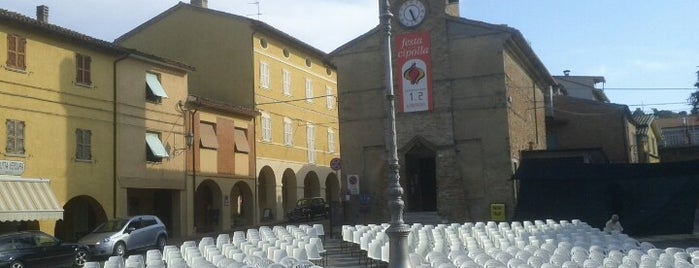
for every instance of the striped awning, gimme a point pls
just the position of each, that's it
(24, 199)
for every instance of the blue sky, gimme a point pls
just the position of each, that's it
(633, 44)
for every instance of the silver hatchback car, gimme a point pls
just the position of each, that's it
(119, 236)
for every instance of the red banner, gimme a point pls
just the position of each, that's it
(414, 70)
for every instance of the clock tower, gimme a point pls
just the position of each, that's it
(410, 14)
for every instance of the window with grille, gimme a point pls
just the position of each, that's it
(331, 141)
(83, 144)
(309, 90)
(15, 137)
(16, 52)
(329, 98)
(311, 143)
(82, 69)
(266, 128)
(288, 132)
(264, 75)
(286, 83)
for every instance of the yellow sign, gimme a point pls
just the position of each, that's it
(497, 212)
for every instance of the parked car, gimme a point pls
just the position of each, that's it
(122, 235)
(38, 249)
(309, 208)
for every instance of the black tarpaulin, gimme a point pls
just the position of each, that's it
(651, 199)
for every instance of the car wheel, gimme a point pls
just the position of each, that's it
(160, 243)
(17, 264)
(80, 258)
(120, 249)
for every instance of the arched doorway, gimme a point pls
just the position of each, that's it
(332, 188)
(81, 214)
(311, 185)
(266, 195)
(289, 190)
(421, 174)
(242, 204)
(207, 207)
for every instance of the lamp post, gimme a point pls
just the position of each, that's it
(398, 231)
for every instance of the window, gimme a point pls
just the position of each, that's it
(155, 151)
(15, 137)
(208, 136)
(266, 128)
(286, 82)
(264, 75)
(83, 144)
(309, 90)
(240, 138)
(82, 69)
(311, 142)
(329, 98)
(154, 90)
(331, 141)
(16, 52)
(288, 132)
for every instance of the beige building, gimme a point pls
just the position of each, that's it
(78, 112)
(247, 63)
(470, 98)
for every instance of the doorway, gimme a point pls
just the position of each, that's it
(421, 174)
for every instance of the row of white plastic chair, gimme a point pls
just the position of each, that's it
(542, 243)
(280, 246)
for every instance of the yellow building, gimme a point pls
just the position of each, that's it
(245, 62)
(61, 122)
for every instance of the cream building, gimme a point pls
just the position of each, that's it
(75, 112)
(244, 62)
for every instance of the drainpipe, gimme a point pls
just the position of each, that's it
(114, 133)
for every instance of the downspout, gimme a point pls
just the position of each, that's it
(114, 133)
(536, 116)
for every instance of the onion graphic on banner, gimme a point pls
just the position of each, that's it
(414, 74)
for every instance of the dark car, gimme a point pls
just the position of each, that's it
(121, 235)
(38, 249)
(308, 208)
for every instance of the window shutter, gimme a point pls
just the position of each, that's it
(21, 53)
(10, 134)
(78, 71)
(11, 50)
(86, 67)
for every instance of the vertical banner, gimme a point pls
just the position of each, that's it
(414, 70)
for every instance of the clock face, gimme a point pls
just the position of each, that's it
(411, 13)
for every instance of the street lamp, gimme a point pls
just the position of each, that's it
(398, 231)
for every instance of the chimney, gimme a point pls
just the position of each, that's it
(452, 8)
(566, 72)
(42, 13)
(199, 3)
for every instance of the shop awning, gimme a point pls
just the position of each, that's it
(24, 199)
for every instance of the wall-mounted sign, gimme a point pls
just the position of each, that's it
(353, 184)
(414, 72)
(497, 212)
(12, 168)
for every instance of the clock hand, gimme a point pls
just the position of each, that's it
(412, 14)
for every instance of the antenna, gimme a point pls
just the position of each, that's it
(258, 14)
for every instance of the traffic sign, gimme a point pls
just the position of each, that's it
(335, 164)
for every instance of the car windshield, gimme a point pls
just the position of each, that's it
(111, 226)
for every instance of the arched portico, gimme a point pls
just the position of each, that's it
(207, 207)
(289, 191)
(266, 193)
(332, 188)
(81, 214)
(311, 185)
(242, 204)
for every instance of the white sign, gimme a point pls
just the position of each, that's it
(353, 184)
(12, 168)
